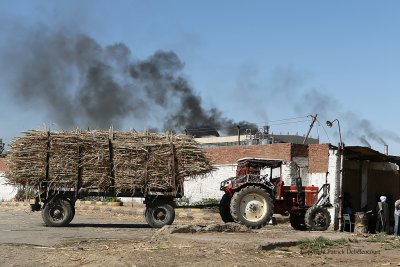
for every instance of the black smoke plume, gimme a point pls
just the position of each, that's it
(80, 83)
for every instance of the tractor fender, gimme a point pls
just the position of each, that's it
(267, 188)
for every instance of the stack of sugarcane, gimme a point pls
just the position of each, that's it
(145, 158)
(127, 161)
(27, 159)
(95, 159)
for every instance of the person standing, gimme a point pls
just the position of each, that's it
(397, 217)
(382, 224)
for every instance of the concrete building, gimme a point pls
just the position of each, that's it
(234, 140)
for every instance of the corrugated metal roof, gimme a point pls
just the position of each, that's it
(262, 162)
(202, 132)
(366, 153)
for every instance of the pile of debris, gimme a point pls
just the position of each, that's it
(126, 161)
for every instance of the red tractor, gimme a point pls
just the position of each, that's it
(257, 191)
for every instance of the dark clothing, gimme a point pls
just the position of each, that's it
(382, 223)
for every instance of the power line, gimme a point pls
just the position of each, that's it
(286, 119)
(294, 118)
(327, 136)
(285, 123)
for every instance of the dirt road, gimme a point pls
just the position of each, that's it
(108, 239)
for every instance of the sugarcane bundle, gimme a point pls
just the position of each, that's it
(27, 159)
(121, 161)
(144, 159)
(63, 157)
(95, 160)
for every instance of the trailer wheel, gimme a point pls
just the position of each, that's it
(252, 206)
(73, 213)
(317, 218)
(224, 209)
(297, 221)
(58, 212)
(159, 214)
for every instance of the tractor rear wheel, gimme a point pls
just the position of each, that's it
(317, 218)
(224, 209)
(297, 221)
(251, 206)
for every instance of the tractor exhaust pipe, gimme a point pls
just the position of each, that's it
(386, 150)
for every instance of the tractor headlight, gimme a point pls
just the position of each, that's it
(225, 183)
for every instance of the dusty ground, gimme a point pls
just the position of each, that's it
(108, 239)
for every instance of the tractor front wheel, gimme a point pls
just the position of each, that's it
(317, 218)
(252, 206)
(224, 209)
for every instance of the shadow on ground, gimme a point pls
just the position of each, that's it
(107, 225)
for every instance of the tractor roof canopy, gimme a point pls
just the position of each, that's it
(260, 162)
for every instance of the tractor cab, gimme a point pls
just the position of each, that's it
(267, 172)
(257, 165)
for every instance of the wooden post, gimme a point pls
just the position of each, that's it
(47, 156)
(111, 155)
(238, 127)
(78, 184)
(174, 167)
(146, 174)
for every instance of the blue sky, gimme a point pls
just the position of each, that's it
(258, 61)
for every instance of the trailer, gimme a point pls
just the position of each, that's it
(63, 167)
(58, 204)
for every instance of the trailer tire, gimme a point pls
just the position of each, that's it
(73, 213)
(159, 214)
(58, 212)
(317, 218)
(252, 206)
(224, 209)
(297, 221)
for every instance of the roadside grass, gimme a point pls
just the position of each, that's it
(101, 199)
(386, 242)
(319, 244)
(380, 238)
(205, 203)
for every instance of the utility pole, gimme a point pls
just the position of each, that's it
(338, 222)
(311, 126)
(238, 127)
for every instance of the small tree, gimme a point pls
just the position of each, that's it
(1, 146)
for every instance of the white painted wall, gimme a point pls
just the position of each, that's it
(7, 192)
(318, 179)
(199, 188)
